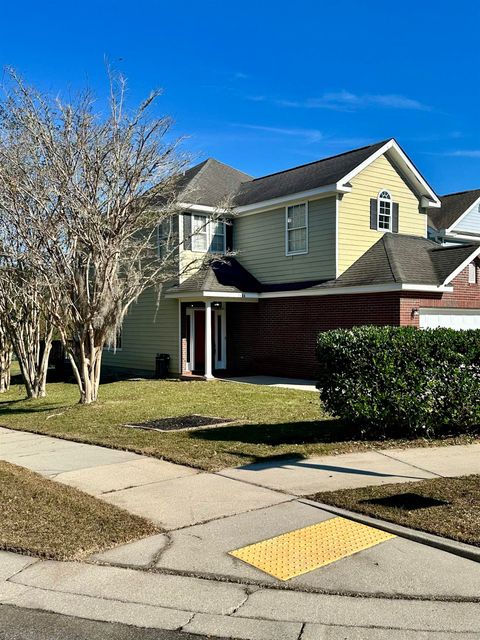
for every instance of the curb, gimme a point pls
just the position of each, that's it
(451, 546)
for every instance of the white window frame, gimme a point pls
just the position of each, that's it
(208, 230)
(306, 227)
(472, 273)
(390, 202)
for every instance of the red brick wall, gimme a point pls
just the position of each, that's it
(277, 336)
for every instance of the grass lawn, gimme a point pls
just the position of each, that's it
(455, 515)
(269, 422)
(50, 520)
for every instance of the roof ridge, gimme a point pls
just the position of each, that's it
(338, 155)
(460, 193)
(387, 240)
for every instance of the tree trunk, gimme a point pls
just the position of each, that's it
(86, 361)
(5, 365)
(33, 360)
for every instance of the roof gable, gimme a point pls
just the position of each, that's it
(454, 206)
(333, 174)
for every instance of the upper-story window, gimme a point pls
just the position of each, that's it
(296, 240)
(384, 210)
(208, 235)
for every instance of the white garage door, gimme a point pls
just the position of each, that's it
(450, 318)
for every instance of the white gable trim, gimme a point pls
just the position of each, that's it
(464, 215)
(466, 262)
(405, 162)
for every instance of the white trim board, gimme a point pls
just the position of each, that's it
(466, 262)
(300, 293)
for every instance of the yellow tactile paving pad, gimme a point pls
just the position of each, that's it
(297, 552)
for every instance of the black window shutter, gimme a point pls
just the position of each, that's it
(373, 213)
(229, 234)
(187, 231)
(395, 217)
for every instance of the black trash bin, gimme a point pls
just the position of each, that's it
(162, 365)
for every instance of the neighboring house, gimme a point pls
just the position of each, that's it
(335, 243)
(458, 220)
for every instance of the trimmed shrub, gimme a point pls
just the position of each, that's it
(400, 381)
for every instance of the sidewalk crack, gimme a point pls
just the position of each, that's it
(239, 606)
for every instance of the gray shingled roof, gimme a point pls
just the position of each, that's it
(453, 206)
(403, 259)
(210, 183)
(221, 276)
(393, 259)
(305, 177)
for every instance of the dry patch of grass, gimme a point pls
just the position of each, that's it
(267, 422)
(43, 518)
(448, 507)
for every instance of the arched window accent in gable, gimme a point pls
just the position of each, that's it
(384, 211)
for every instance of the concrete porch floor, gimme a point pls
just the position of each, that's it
(274, 381)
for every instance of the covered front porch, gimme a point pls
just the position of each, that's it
(206, 300)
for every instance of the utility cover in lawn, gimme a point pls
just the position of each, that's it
(179, 423)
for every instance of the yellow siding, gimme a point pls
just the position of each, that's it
(147, 330)
(354, 233)
(260, 242)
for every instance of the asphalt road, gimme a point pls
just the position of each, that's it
(28, 624)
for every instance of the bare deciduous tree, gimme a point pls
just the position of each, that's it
(5, 358)
(95, 190)
(26, 324)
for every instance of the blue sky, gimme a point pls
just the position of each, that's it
(267, 85)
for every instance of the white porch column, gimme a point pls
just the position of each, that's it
(208, 341)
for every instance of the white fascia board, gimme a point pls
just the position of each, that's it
(404, 161)
(196, 295)
(464, 214)
(459, 269)
(188, 206)
(300, 293)
(453, 235)
(291, 198)
(377, 288)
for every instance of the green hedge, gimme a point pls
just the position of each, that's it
(401, 382)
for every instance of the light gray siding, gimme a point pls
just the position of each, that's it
(259, 241)
(471, 222)
(147, 330)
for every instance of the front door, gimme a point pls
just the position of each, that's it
(196, 339)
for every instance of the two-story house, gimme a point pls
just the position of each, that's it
(340, 242)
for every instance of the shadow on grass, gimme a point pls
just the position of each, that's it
(309, 432)
(7, 407)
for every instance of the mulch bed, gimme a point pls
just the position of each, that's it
(179, 423)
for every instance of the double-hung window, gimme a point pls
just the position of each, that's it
(199, 233)
(384, 211)
(208, 235)
(296, 240)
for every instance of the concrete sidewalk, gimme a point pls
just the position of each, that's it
(185, 579)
